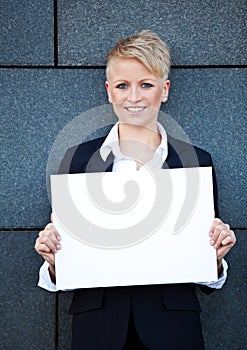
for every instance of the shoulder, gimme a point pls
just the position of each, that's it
(77, 157)
(186, 154)
(89, 146)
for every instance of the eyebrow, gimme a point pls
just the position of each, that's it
(124, 80)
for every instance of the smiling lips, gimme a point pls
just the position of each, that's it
(135, 109)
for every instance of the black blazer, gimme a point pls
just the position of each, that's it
(166, 316)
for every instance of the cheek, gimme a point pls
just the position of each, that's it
(117, 97)
(156, 98)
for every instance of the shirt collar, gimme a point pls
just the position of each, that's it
(111, 144)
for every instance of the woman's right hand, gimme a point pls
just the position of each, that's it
(48, 243)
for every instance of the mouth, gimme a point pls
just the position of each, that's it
(135, 109)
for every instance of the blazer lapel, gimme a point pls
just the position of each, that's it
(97, 164)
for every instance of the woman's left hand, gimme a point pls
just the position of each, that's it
(222, 239)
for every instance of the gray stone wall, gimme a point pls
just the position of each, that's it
(52, 58)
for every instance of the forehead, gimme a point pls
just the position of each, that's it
(128, 67)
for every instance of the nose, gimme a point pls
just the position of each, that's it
(134, 95)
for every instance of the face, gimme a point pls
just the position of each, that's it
(135, 92)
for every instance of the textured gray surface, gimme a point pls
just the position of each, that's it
(224, 311)
(27, 312)
(26, 32)
(198, 32)
(36, 104)
(210, 106)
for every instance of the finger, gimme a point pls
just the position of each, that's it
(218, 223)
(45, 252)
(50, 240)
(225, 246)
(50, 231)
(42, 248)
(229, 240)
(216, 229)
(51, 228)
(54, 237)
(215, 223)
(219, 236)
(214, 235)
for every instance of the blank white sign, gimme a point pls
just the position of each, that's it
(154, 231)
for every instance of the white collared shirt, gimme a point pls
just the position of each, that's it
(123, 163)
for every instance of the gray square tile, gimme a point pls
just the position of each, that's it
(27, 311)
(26, 33)
(198, 32)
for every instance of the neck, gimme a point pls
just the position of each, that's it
(147, 135)
(138, 142)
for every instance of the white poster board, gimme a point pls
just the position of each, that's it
(155, 230)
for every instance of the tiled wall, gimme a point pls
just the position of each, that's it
(52, 58)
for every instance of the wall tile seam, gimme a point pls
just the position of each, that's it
(91, 67)
(21, 229)
(55, 34)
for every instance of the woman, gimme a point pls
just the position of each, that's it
(136, 317)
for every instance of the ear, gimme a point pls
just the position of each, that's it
(166, 89)
(108, 91)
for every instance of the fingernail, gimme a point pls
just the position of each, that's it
(58, 246)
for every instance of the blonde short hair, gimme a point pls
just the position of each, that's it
(147, 48)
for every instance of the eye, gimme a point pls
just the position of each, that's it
(147, 85)
(121, 86)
